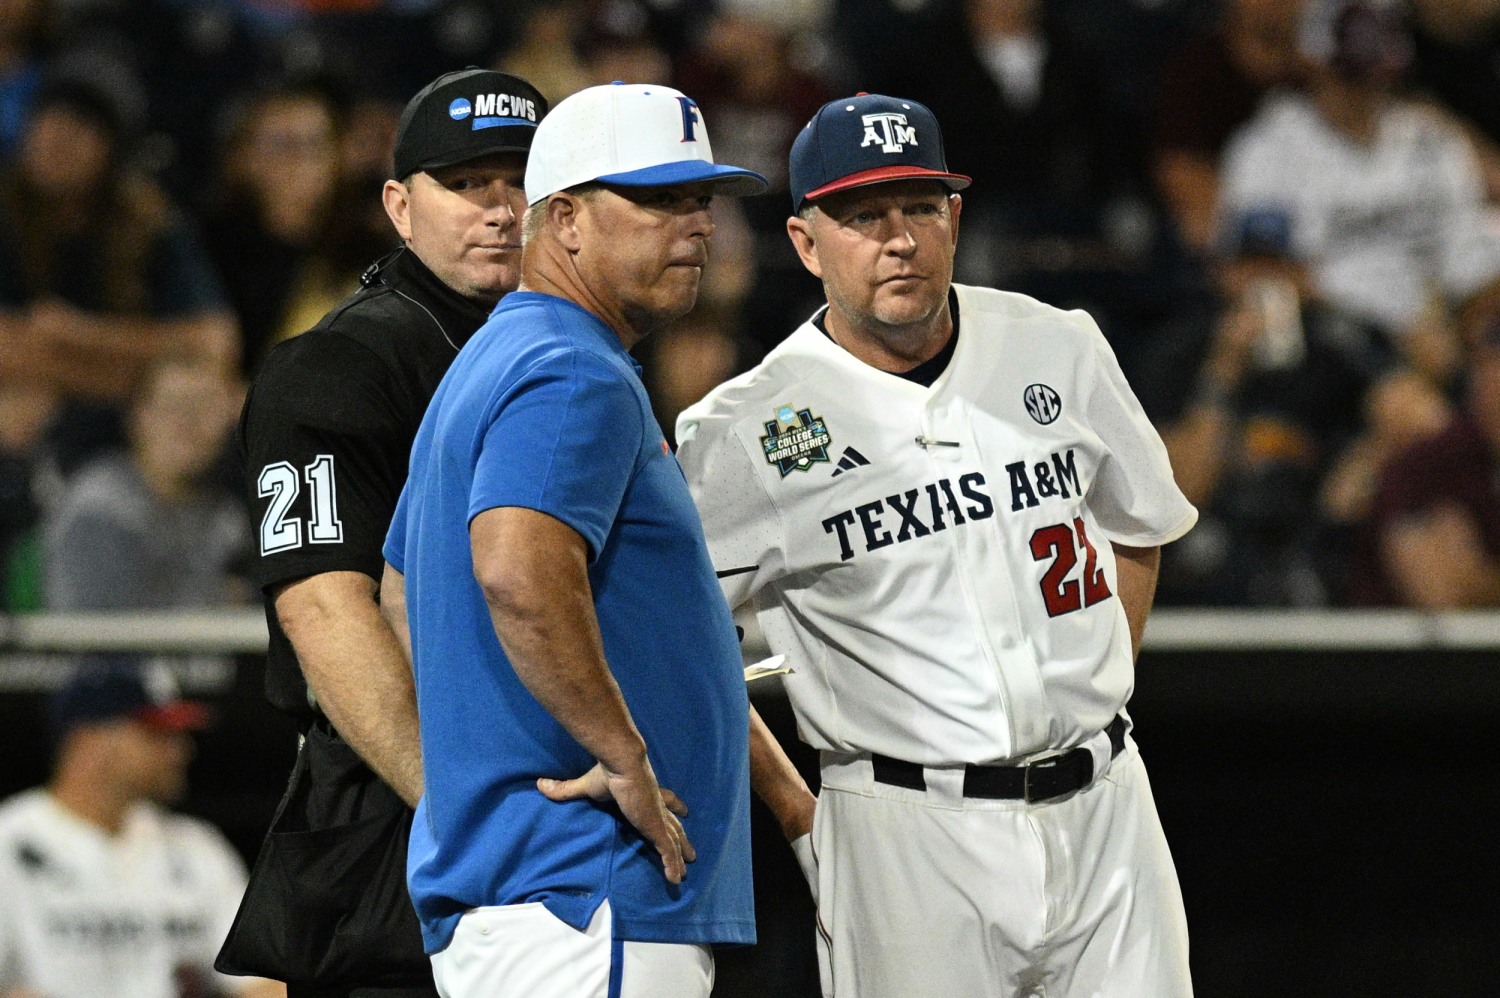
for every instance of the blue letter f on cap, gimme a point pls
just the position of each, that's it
(689, 118)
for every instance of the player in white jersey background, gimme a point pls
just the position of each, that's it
(103, 890)
(955, 540)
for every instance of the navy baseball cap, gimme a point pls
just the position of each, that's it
(106, 688)
(464, 115)
(867, 139)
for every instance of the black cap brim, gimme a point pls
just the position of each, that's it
(518, 142)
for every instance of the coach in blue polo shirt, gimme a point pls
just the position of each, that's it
(564, 615)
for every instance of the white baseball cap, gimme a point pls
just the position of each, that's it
(633, 135)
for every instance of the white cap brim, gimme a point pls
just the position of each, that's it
(633, 135)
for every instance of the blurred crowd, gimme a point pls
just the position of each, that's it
(1282, 213)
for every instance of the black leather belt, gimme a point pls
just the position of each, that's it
(1042, 780)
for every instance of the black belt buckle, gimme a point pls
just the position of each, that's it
(1046, 779)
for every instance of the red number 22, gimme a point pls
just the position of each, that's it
(1060, 593)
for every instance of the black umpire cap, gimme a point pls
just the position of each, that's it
(464, 115)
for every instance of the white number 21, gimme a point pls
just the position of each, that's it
(279, 481)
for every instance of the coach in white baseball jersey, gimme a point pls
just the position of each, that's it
(955, 540)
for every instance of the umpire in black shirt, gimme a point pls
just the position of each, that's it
(327, 432)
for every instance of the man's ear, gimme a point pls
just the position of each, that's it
(800, 231)
(564, 212)
(397, 200)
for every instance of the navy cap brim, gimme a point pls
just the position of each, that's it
(731, 180)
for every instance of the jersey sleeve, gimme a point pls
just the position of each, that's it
(1468, 254)
(562, 440)
(325, 459)
(395, 538)
(1134, 495)
(740, 522)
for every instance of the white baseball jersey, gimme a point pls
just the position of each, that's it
(1380, 227)
(84, 913)
(936, 561)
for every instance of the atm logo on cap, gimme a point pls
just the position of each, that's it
(492, 110)
(889, 131)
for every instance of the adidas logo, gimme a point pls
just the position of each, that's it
(850, 460)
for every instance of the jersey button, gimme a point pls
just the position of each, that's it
(1007, 642)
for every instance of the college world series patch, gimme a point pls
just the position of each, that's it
(795, 440)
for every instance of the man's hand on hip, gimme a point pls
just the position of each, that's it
(653, 809)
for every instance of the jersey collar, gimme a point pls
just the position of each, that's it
(458, 316)
(925, 374)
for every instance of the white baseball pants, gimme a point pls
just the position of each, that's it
(928, 894)
(524, 951)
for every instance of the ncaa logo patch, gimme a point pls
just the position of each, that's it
(460, 109)
(795, 440)
(1042, 403)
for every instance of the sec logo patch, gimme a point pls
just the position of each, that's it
(1042, 403)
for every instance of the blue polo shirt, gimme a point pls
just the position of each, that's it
(544, 409)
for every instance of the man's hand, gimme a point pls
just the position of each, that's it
(358, 670)
(652, 809)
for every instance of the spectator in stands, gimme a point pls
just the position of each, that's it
(1067, 212)
(150, 527)
(684, 362)
(1279, 395)
(618, 41)
(749, 71)
(359, 229)
(1209, 89)
(1436, 518)
(24, 412)
(100, 275)
(1034, 104)
(1383, 198)
(102, 889)
(543, 50)
(1456, 59)
(745, 70)
(266, 231)
(21, 28)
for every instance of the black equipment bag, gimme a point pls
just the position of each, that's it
(327, 904)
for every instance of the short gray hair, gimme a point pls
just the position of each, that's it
(536, 214)
(532, 220)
